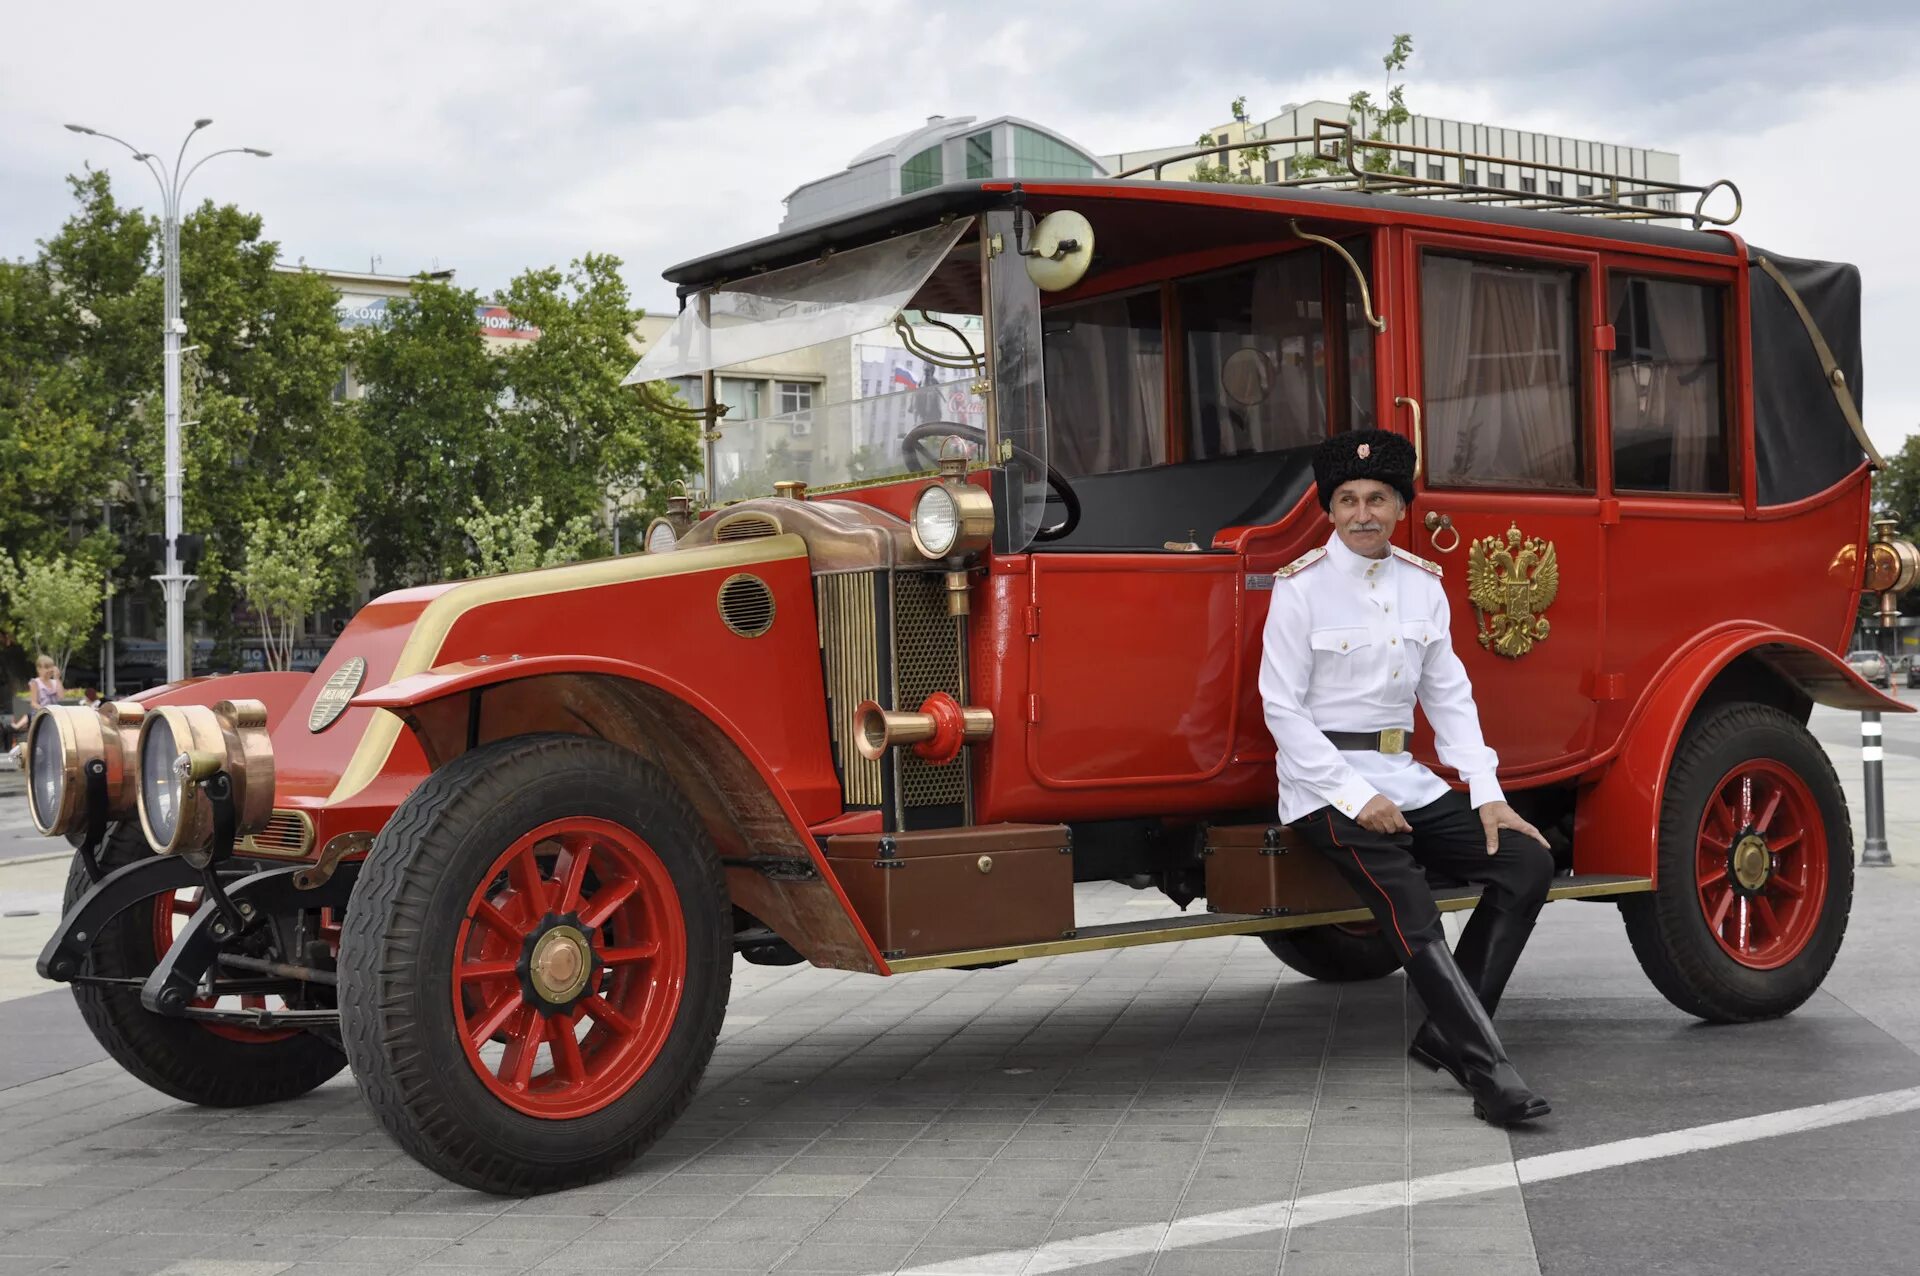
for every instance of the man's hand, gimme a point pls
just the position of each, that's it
(1381, 816)
(1495, 816)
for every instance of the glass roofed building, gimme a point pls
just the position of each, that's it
(944, 149)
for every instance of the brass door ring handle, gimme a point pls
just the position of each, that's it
(1437, 525)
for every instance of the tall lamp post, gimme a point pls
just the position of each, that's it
(173, 183)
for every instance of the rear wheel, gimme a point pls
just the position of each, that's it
(1335, 954)
(1755, 869)
(536, 964)
(216, 1065)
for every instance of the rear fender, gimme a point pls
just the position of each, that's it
(738, 795)
(1617, 823)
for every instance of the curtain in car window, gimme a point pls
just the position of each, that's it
(1106, 385)
(1669, 431)
(1501, 374)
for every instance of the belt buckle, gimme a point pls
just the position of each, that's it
(1393, 740)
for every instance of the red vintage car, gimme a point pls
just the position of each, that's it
(999, 633)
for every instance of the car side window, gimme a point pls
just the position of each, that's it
(1669, 413)
(1501, 374)
(1106, 384)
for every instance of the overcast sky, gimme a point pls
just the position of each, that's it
(491, 137)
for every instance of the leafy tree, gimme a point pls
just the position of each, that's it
(1234, 166)
(54, 602)
(523, 538)
(431, 423)
(1386, 115)
(291, 569)
(572, 432)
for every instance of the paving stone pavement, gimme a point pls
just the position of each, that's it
(961, 1119)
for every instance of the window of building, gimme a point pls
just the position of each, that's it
(1436, 172)
(1273, 171)
(1555, 186)
(1640, 199)
(744, 399)
(1471, 176)
(692, 389)
(1585, 190)
(1501, 374)
(1530, 184)
(1106, 384)
(1404, 168)
(921, 172)
(1666, 202)
(1669, 418)
(1497, 180)
(1037, 155)
(979, 152)
(794, 400)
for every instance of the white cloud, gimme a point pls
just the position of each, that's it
(491, 137)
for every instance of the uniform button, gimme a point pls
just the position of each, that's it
(1388, 607)
(1396, 673)
(1393, 642)
(1343, 646)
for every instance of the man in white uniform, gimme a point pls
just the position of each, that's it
(1358, 630)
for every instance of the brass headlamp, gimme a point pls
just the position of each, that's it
(664, 533)
(951, 521)
(63, 743)
(1893, 567)
(186, 751)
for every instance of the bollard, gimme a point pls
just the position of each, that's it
(1873, 852)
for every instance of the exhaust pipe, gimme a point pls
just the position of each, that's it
(936, 733)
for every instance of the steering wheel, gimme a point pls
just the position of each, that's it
(1058, 489)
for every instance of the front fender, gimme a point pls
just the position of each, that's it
(276, 690)
(736, 791)
(1617, 826)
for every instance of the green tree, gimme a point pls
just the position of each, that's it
(291, 569)
(54, 603)
(524, 537)
(571, 431)
(430, 419)
(1385, 115)
(1236, 165)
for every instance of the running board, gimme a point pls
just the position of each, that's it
(1166, 930)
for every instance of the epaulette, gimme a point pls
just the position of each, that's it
(1423, 564)
(1301, 563)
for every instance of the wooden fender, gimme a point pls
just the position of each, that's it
(1616, 827)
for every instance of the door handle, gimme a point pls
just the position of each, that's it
(1439, 524)
(1413, 406)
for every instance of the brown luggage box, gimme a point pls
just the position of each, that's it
(941, 890)
(1271, 871)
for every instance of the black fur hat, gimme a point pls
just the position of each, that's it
(1364, 454)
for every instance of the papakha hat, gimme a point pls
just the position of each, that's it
(1364, 454)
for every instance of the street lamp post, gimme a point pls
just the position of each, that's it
(173, 183)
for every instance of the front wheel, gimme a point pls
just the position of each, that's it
(1755, 876)
(535, 964)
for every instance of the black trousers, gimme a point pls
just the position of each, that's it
(1386, 868)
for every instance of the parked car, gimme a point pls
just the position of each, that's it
(1913, 672)
(1874, 667)
(500, 850)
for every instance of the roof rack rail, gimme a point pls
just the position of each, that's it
(1611, 195)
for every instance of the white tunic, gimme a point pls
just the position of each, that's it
(1349, 644)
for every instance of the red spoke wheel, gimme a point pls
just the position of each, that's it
(216, 1065)
(1755, 874)
(572, 960)
(536, 963)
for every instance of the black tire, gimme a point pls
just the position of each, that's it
(398, 949)
(1334, 954)
(1668, 928)
(187, 1060)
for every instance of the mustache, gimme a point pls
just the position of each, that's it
(1365, 527)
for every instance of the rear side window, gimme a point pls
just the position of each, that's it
(1665, 375)
(1501, 374)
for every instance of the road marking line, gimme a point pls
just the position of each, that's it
(1327, 1207)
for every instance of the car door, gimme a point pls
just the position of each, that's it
(1498, 377)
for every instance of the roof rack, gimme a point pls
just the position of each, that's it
(1335, 142)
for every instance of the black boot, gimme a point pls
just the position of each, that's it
(1489, 949)
(1500, 1097)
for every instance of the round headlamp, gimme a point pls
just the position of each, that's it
(61, 743)
(662, 536)
(950, 519)
(183, 745)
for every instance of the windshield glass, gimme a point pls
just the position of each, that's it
(830, 298)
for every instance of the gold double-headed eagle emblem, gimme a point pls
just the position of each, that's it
(1511, 582)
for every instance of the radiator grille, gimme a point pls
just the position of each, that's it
(746, 605)
(288, 834)
(927, 659)
(850, 640)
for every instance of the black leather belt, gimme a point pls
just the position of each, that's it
(1392, 740)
